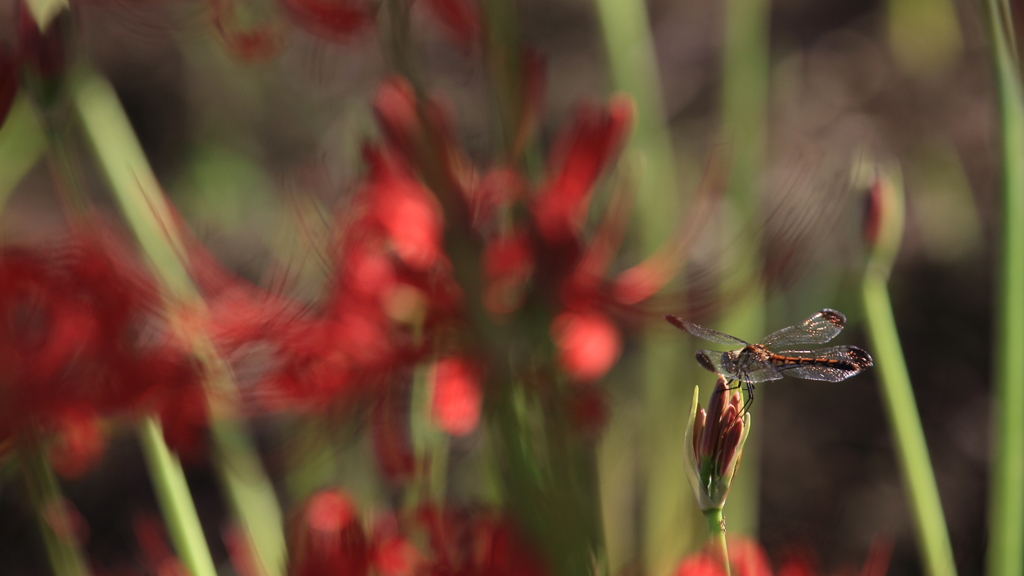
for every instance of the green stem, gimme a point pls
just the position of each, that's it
(22, 143)
(54, 525)
(715, 523)
(146, 210)
(1006, 495)
(175, 500)
(897, 393)
(915, 464)
(629, 48)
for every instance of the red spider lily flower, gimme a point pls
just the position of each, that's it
(497, 190)
(77, 442)
(748, 558)
(421, 133)
(79, 327)
(456, 396)
(700, 564)
(332, 20)
(714, 441)
(393, 554)
(254, 44)
(184, 415)
(588, 344)
(502, 551)
(408, 213)
(461, 18)
(577, 160)
(47, 339)
(327, 538)
(397, 114)
(477, 544)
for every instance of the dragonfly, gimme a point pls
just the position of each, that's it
(755, 363)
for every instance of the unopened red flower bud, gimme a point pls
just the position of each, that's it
(715, 445)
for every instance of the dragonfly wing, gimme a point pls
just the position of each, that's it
(705, 333)
(819, 328)
(762, 373)
(830, 365)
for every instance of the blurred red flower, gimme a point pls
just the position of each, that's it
(81, 336)
(457, 396)
(477, 543)
(588, 344)
(327, 538)
(332, 20)
(748, 558)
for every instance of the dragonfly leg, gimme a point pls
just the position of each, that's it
(750, 397)
(749, 386)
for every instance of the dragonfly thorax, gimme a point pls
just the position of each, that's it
(735, 364)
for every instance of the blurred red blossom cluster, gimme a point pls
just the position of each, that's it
(748, 558)
(328, 537)
(338, 21)
(470, 280)
(82, 335)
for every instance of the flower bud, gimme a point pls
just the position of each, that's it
(714, 445)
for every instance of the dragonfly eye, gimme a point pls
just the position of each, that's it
(705, 361)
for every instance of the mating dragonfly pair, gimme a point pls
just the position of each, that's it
(755, 363)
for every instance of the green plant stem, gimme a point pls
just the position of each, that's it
(146, 210)
(912, 451)
(22, 143)
(175, 500)
(668, 511)
(1006, 494)
(44, 493)
(897, 393)
(715, 523)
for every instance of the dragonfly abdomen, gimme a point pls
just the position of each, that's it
(779, 361)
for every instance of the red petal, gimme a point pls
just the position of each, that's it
(332, 20)
(576, 162)
(748, 558)
(700, 564)
(588, 343)
(78, 443)
(457, 397)
(328, 538)
(460, 17)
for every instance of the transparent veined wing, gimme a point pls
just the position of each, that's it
(819, 328)
(829, 364)
(737, 366)
(705, 333)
